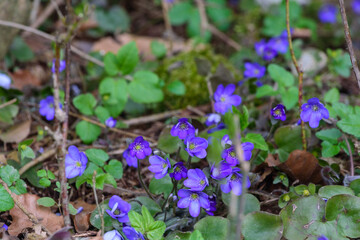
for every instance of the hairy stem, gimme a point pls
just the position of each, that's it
(352, 171)
(141, 181)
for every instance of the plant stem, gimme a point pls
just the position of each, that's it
(188, 162)
(97, 204)
(141, 181)
(352, 171)
(299, 71)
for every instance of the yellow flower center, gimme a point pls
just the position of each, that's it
(192, 146)
(194, 196)
(277, 112)
(315, 107)
(138, 147)
(202, 182)
(306, 192)
(223, 99)
(78, 164)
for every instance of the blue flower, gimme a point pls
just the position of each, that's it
(269, 53)
(313, 111)
(119, 209)
(212, 209)
(47, 109)
(197, 180)
(234, 183)
(322, 237)
(356, 6)
(140, 148)
(75, 162)
(159, 166)
(193, 200)
(196, 146)
(182, 129)
(260, 47)
(79, 210)
(254, 70)
(327, 13)
(131, 161)
(278, 112)
(212, 119)
(224, 100)
(179, 172)
(221, 170)
(279, 44)
(230, 156)
(4, 226)
(5, 81)
(61, 67)
(226, 140)
(132, 234)
(258, 83)
(110, 122)
(218, 127)
(113, 235)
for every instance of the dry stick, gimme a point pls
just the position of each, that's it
(352, 171)
(128, 134)
(349, 41)
(203, 18)
(169, 30)
(299, 71)
(45, 14)
(51, 38)
(8, 103)
(151, 118)
(32, 218)
(97, 204)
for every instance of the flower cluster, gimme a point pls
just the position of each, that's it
(139, 149)
(47, 109)
(268, 50)
(327, 13)
(278, 112)
(224, 98)
(313, 111)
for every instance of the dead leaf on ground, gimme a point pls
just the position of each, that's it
(82, 220)
(20, 221)
(22, 78)
(16, 133)
(272, 161)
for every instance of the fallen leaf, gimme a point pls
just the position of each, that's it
(62, 234)
(22, 78)
(16, 133)
(82, 220)
(271, 161)
(20, 221)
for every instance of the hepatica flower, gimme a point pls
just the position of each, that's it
(140, 148)
(260, 47)
(230, 156)
(5, 81)
(254, 70)
(110, 122)
(213, 119)
(75, 162)
(224, 98)
(196, 146)
(113, 235)
(269, 53)
(179, 171)
(159, 166)
(47, 108)
(131, 161)
(197, 180)
(327, 13)
(193, 200)
(132, 234)
(234, 183)
(280, 44)
(356, 6)
(119, 209)
(322, 237)
(278, 112)
(182, 129)
(61, 67)
(221, 170)
(226, 140)
(313, 111)
(212, 209)
(218, 127)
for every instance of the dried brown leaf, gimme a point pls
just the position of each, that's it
(16, 133)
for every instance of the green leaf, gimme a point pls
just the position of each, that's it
(158, 49)
(95, 219)
(289, 97)
(41, 173)
(44, 182)
(332, 96)
(342, 110)
(148, 219)
(214, 150)
(178, 235)
(265, 90)
(97, 156)
(114, 94)
(350, 125)
(156, 230)
(110, 64)
(196, 235)
(46, 202)
(213, 228)
(167, 142)
(27, 153)
(328, 149)
(150, 204)
(330, 135)
(288, 138)
(193, 28)
(127, 58)
(219, 14)
(6, 201)
(114, 168)
(72, 209)
(179, 13)
(355, 186)
(280, 75)
(19, 187)
(87, 132)
(85, 103)
(159, 186)
(9, 174)
(114, 20)
(244, 118)
(8, 113)
(177, 87)
(144, 88)
(102, 114)
(257, 140)
(137, 221)
(252, 204)
(262, 225)
(21, 50)
(333, 190)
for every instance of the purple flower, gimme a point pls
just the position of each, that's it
(313, 111)
(159, 166)
(230, 156)
(110, 122)
(279, 44)
(113, 235)
(119, 209)
(4, 226)
(254, 70)
(224, 100)
(221, 170)
(132, 234)
(269, 53)
(284, 33)
(196, 146)
(212, 209)
(213, 119)
(5, 81)
(193, 200)
(278, 112)
(258, 83)
(61, 67)
(47, 109)
(219, 127)
(226, 140)
(79, 210)
(356, 6)
(75, 162)
(234, 183)
(140, 148)
(322, 237)
(260, 47)
(197, 180)
(131, 161)
(180, 171)
(327, 13)
(182, 129)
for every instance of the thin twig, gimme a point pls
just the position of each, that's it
(203, 18)
(151, 118)
(97, 204)
(8, 103)
(168, 27)
(352, 171)
(349, 41)
(299, 71)
(45, 14)
(31, 217)
(38, 160)
(141, 181)
(211, 91)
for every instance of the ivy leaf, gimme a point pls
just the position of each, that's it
(85, 103)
